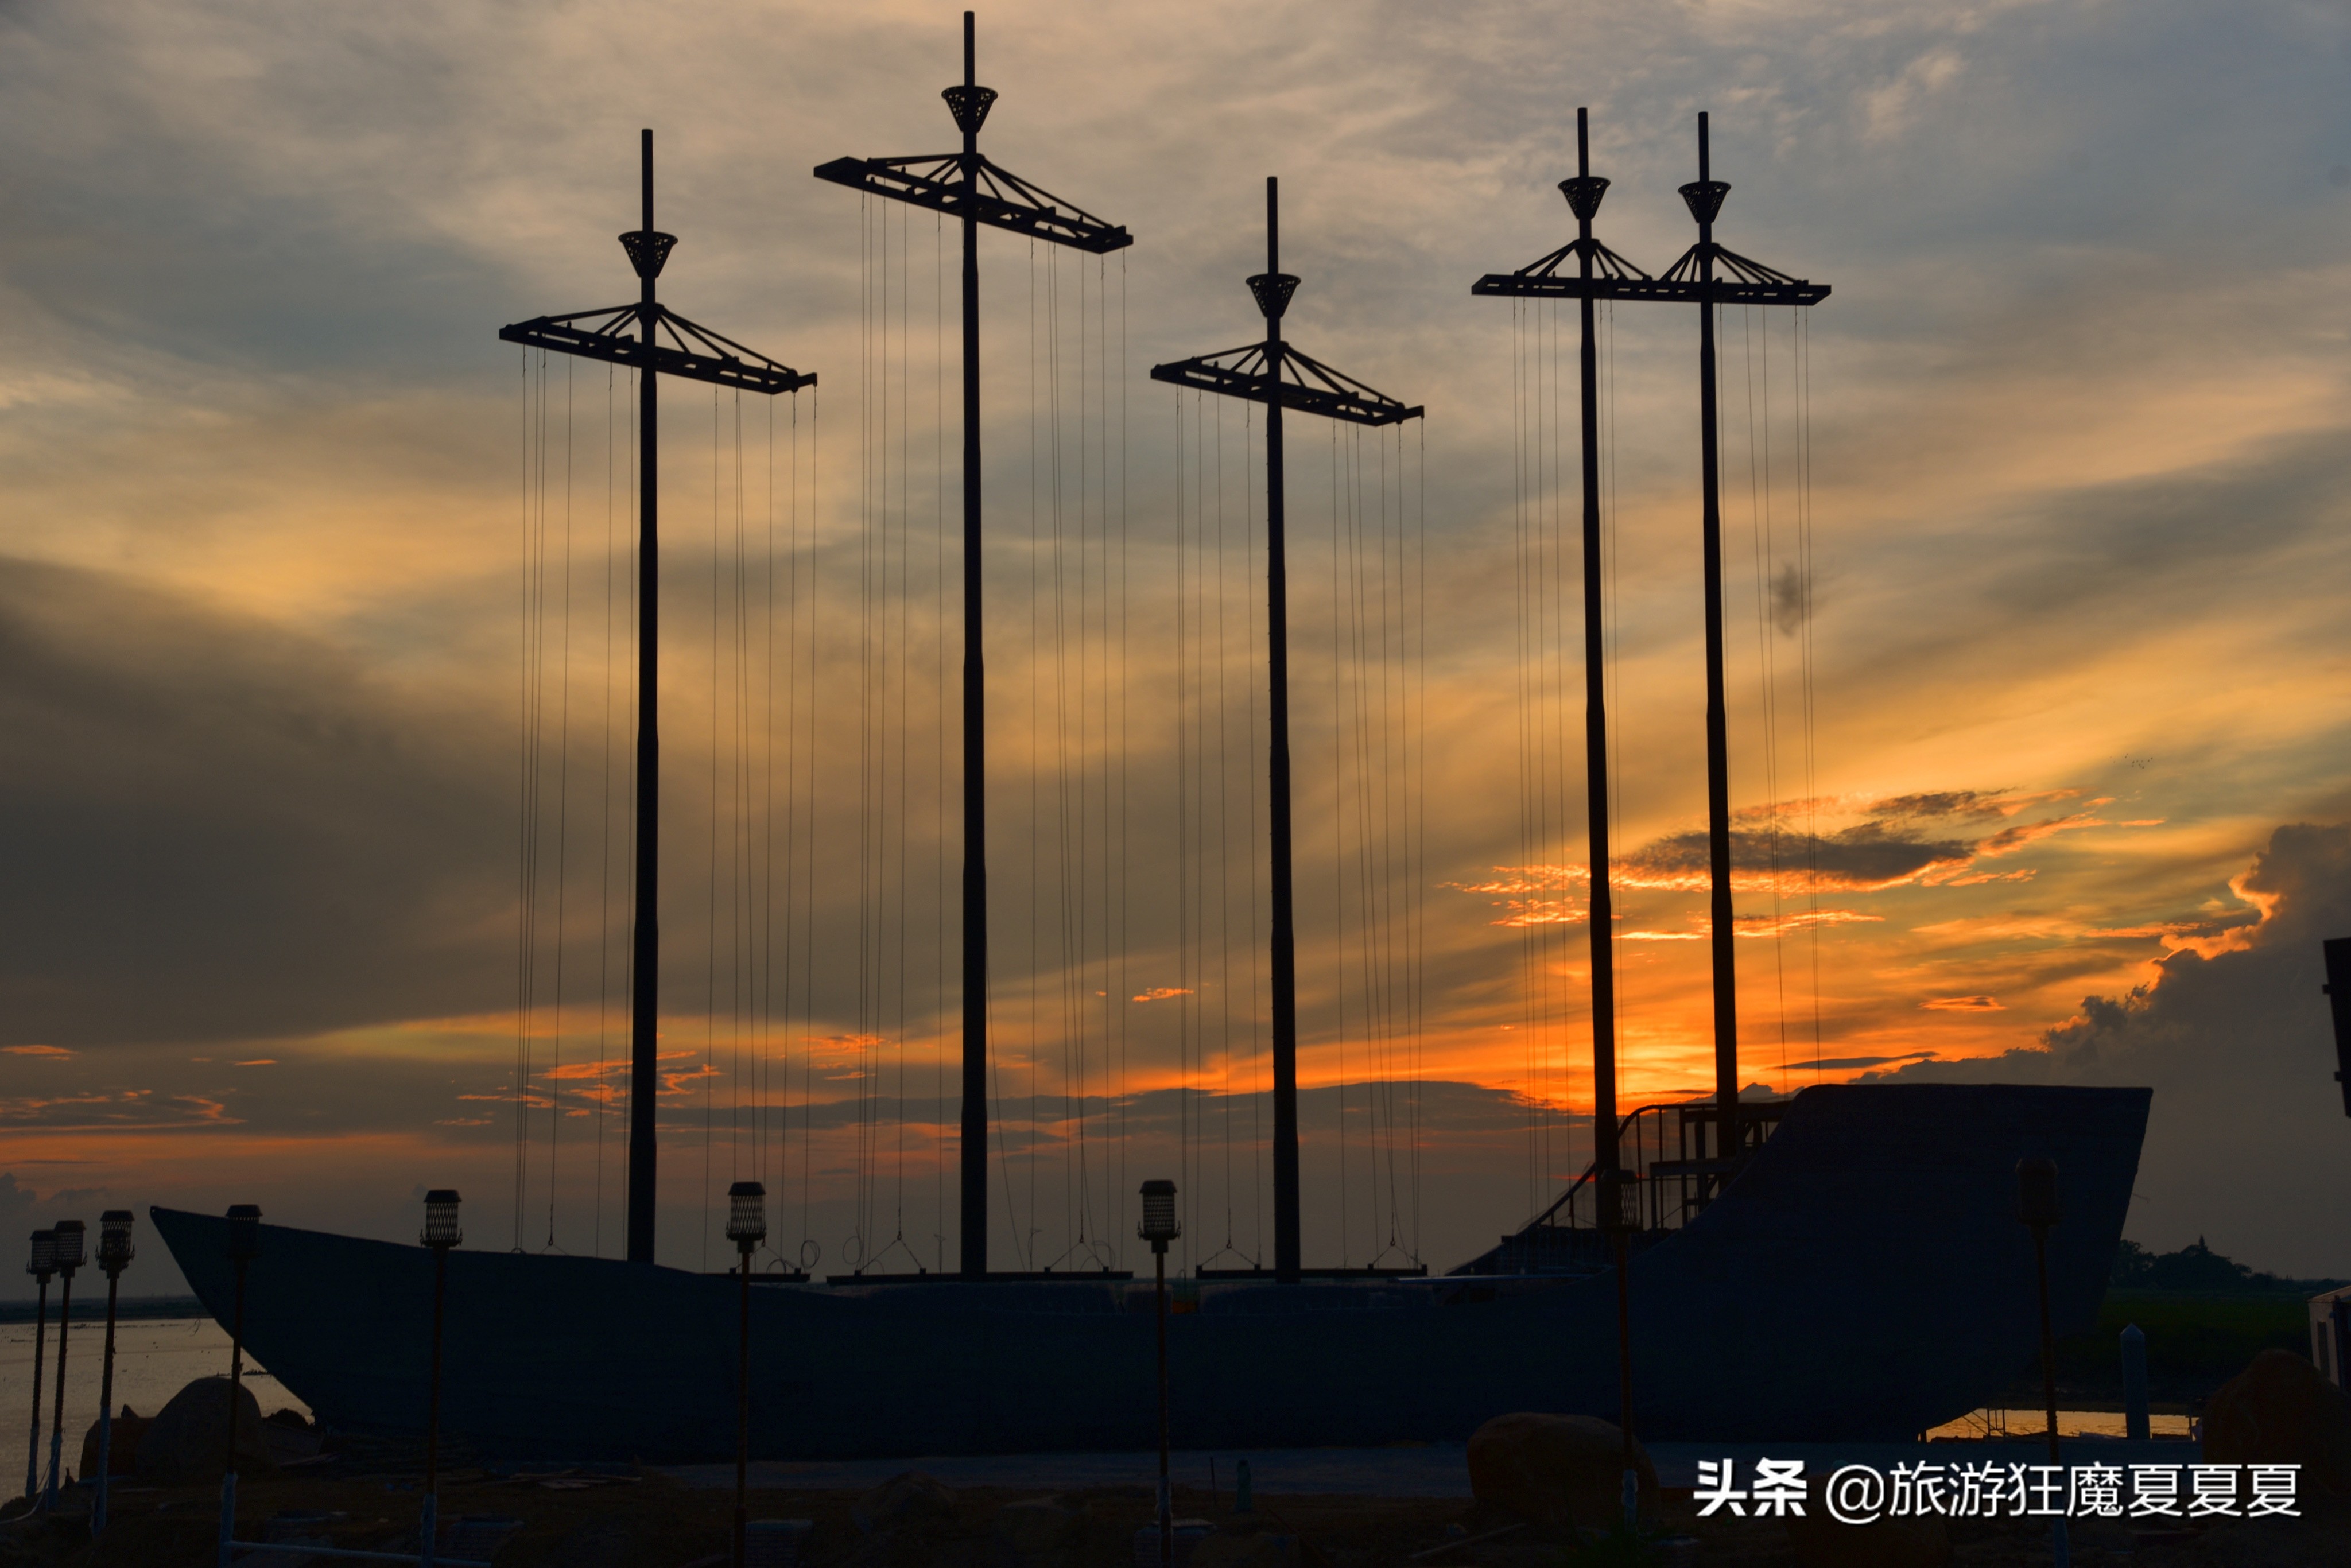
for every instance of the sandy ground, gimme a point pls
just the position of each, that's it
(658, 1521)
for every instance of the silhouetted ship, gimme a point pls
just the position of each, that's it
(1863, 1277)
(1843, 1264)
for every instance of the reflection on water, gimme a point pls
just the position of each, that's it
(152, 1360)
(2069, 1424)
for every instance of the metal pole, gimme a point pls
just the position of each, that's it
(1625, 1356)
(1718, 739)
(235, 1386)
(2048, 1340)
(975, 733)
(40, 1343)
(57, 1416)
(433, 1411)
(1595, 713)
(645, 954)
(743, 1415)
(2058, 1548)
(1166, 1494)
(106, 1408)
(1606, 1157)
(1286, 1247)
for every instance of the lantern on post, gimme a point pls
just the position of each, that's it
(68, 1243)
(746, 1227)
(114, 1255)
(1159, 1227)
(441, 1233)
(244, 1245)
(41, 1265)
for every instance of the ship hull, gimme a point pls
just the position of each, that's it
(1862, 1279)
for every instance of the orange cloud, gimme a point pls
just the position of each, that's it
(1963, 1004)
(2023, 873)
(51, 1051)
(1161, 993)
(2008, 840)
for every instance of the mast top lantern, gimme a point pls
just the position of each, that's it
(67, 1241)
(746, 1214)
(243, 1232)
(441, 1229)
(114, 1248)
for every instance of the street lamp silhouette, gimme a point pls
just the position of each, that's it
(746, 1227)
(2037, 1208)
(244, 1247)
(40, 1266)
(440, 1233)
(1159, 1227)
(114, 1255)
(68, 1243)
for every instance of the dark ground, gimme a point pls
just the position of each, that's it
(658, 1522)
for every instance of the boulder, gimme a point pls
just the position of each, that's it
(909, 1497)
(1246, 1549)
(598, 1543)
(186, 1443)
(129, 1427)
(1037, 1528)
(1557, 1470)
(1820, 1541)
(2282, 1411)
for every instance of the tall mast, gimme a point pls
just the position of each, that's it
(977, 191)
(1584, 194)
(970, 109)
(1272, 289)
(1277, 375)
(698, 354)
(645, 948)
(1705, 198)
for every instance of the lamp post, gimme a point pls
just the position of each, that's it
(440, 1233)
(1158, 1226)
(40, 1266)
(746, 1227)
(244, 1247)
(114, 1255)
(69, 1242)
(2037, 1208)
(1620, 1216)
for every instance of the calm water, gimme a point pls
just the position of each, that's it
(2069, 1424)
(152, 1360)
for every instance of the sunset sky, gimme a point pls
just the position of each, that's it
(2036, 603)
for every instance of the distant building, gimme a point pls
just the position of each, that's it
(2330, 1332)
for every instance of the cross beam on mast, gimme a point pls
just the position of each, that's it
(1002, 200)
(978, 192)
(694, 352)
(1602, 273)
(698, 354)
(1280, 377)
(1307, 384)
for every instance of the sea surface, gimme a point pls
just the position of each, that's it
(152, 1360)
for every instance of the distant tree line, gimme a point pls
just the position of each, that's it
(2197, 1267)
